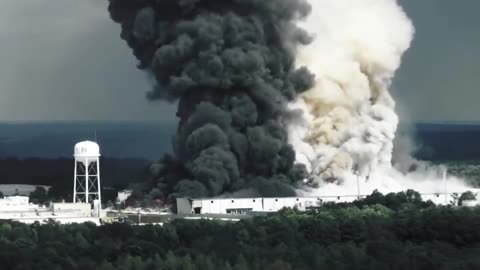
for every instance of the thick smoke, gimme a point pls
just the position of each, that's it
(347, 121)
(230, 65)
(343, 128)
(271, 92)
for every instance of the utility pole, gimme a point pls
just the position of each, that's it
(445, 185)
(357, 174)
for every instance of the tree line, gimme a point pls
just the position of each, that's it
(394, 231)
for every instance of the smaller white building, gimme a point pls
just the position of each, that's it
(72, 209)
(10, 201)
(470, 203)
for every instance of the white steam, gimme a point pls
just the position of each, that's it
(344, 127)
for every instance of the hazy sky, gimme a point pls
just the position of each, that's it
(438, 80)
(64, 60)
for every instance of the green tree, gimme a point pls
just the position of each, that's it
(241, 263)
(170, 262)
(154, 263)
(454, 199)
(186, 264)
(106, 266)
(81, 241)
(38, 196)
(279, 264)
(204, 262)
(227, 266)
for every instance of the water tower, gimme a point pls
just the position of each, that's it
(86, 185)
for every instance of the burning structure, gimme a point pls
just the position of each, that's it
(274, 97)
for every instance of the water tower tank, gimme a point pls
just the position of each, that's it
(86, 185)
(87, 151)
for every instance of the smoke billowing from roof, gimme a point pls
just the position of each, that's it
(230, 65)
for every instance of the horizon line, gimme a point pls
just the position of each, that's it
(175, 121)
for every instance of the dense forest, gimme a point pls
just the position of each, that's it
(151, 140)
(396, 231)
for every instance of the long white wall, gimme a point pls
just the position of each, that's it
(241, 206)
(62, 220)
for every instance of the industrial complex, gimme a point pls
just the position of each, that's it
(86, 204)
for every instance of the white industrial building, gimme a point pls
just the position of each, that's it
(245, 205)
(13, 202)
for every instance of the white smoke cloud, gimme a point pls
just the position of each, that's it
(344, 127)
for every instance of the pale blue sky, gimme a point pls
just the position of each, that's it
(64, 60)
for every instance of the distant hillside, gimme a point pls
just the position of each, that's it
(439, 142)
(117, 140)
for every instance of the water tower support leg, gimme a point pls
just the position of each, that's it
(87, 178)
(99, 187)
(75, 183)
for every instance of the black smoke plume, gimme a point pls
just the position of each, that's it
(230, 66)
